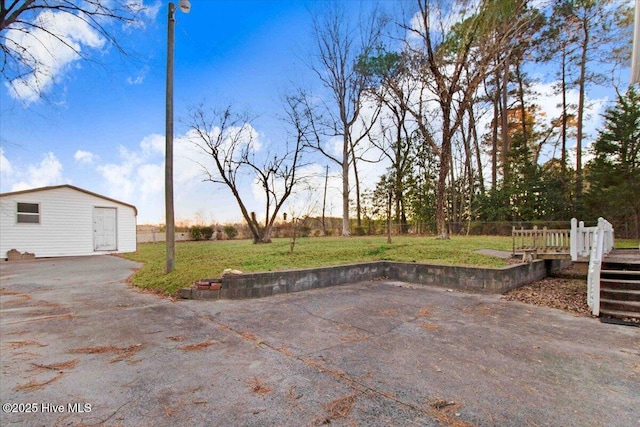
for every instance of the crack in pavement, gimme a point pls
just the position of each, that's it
(351, 382)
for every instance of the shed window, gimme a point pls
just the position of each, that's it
(28, 213)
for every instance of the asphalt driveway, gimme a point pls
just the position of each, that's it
(81, 347)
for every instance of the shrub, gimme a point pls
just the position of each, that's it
(360, 231)
(305, 230)
(207, 232)
(196, 233)
(230, 231)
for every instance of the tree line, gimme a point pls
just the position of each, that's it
(450, 104)
(452, 108)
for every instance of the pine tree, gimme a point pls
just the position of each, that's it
(614, 173)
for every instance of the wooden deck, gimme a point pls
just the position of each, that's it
(624, 256)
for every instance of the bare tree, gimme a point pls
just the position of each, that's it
(30, 30)
(451, 61)
(394, 140)
(339, 46)
(230, 141)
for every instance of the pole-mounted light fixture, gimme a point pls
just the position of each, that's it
(185, 7)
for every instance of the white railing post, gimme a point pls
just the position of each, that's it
(588, 238)
(573, 240)
(581, 238)
(595, 263)
(609, 241)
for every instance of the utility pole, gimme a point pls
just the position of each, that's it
(170, 228)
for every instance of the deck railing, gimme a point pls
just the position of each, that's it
(580, 241)
(601, 244)
(542, 241)
(582, 238)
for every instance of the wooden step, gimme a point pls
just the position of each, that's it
(620, 294)
(628, 318)
(629, 273)
(620, 305)
(610, 283)
(608, 265)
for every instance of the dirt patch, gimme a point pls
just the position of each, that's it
(341, 407)
(27, 343)
(198, 346)
(565, 291)
(447, 412)
(121, 353)
(429, 326)
(36, 385)
(425, 312)
(259, 387)
(69, 364)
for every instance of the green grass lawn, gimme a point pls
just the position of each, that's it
(626, 244)
(198, 260)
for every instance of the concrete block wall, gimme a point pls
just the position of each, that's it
(474, 279)
(471, 279)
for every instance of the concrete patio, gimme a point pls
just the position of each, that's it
(371, 353)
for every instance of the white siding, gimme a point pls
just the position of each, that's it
(66, 224)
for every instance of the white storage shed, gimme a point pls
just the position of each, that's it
(64, 220)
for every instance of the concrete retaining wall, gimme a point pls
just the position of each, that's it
(472, 279)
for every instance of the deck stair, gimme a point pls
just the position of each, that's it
(620, 287)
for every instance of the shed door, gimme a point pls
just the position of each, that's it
(104, 229)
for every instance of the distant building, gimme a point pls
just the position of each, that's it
(64, 220)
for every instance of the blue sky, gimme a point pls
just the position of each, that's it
(239, 52)
(100, 125)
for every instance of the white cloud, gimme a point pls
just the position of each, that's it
(121, 176)
(440, 18)
(5, 166)
(47, 172)
(49, 56)
(138, 178)
(139, 77)
(118, 177)
(334, 146)
(151, 178)
(85, 157)
(153, 144)
(148, 12)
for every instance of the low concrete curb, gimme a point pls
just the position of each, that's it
(471, 279)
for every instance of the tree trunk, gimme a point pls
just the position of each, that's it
(563, 155)
(345, 187)
(581, 83)
(523, 109)
(454, 193)
(324, 202)
(358, 206)
(505, 121)
(494, 135)
(445, 161)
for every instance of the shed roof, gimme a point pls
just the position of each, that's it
(72, 187)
